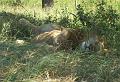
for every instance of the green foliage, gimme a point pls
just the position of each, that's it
(98, 68)
(6, 1)
(104, 21)
(10, 28)
(29, 60)
(105, 17)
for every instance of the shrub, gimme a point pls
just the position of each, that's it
(104, 21)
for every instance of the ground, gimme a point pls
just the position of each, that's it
(28, 62)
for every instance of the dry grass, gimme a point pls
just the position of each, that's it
(62, 79)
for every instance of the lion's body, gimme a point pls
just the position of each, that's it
(63, 38)
(94, 43)
(36, 30)
(48, 37)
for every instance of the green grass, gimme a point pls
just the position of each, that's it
(29, 61)
(34, 7)
(32, 61)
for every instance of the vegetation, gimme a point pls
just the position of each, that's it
(29, 62)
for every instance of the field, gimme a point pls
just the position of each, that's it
(29, 62)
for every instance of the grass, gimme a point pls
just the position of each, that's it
(30, 62)
(34, 7)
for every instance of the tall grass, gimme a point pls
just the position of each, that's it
(29, 61)
(35, 6)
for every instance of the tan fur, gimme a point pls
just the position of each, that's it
(65, 39)
(48, 37)
(38, 29)
(100, 42)
(103, 43)
(97, 43)
(74, 38)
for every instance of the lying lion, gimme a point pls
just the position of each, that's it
(38, 29)
(95, 43)
(63, 38)
(54, 34)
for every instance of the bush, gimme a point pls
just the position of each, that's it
(11, 29)
(103, 21)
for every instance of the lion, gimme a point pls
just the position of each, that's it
(47, 37)
(36, 30)
(73, 38)
(94, 43)
(53, 34)
(65, 39)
